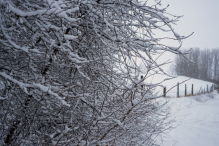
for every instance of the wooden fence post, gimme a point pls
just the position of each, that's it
(185, 90)
(200, 90)
(192, 89)
(178, 89)
(164, 92)
(207, 88)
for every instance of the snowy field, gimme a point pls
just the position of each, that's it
(197, 85)
(196, 118)
(196, 121)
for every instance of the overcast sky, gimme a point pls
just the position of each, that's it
(200, 17)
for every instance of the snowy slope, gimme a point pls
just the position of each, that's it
(197, 85)
(196, 121)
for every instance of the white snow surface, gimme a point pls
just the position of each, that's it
(196, 118)
(196, 121)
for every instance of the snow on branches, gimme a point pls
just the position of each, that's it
(68, 73)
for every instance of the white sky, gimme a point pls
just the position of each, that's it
(200, 17)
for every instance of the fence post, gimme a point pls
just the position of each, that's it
(192, 89)
(164, 92)
(178, 89)
(185, 89)
(200, 90)
(207, 88)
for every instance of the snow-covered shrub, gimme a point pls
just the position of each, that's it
(68, 75)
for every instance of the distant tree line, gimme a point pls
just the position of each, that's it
(199, 63)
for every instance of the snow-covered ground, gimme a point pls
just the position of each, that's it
(197, 85)
(196, 118)
(196, 121)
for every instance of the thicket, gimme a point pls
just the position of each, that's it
(67, 71)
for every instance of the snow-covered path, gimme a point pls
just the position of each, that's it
(196, 121)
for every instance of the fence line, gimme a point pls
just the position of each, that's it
(202, 90)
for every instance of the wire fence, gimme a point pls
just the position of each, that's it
(181, 91)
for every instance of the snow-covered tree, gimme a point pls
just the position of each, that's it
(68, 71)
